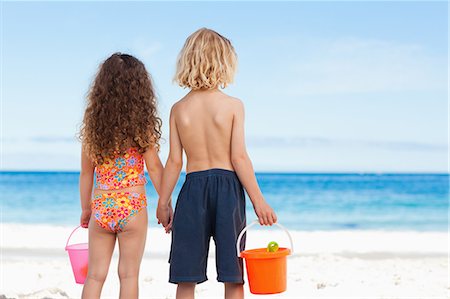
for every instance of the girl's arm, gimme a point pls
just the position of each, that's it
(154, 167)
(244, 169)
(86, 182)
(171, 173)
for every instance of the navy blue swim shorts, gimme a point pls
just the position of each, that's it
(211, 203)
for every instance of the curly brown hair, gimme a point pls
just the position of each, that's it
(121, 110)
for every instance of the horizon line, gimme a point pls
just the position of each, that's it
(263, 172)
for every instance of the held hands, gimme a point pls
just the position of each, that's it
(85, 217)
(164, 213)
(266, 215)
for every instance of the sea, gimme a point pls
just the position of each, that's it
(302, 201)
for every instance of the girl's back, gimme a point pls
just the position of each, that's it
(204, 121)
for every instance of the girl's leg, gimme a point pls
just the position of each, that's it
(131, 248)
(185, 290)
(234, 291)
(101, 247)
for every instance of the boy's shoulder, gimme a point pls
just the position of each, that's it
(234, 102)
(178, 103)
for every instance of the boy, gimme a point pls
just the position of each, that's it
(209, 126)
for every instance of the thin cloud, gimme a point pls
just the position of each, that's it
(39, 139)
(318, 142)
(147, 50)
(358, 65)
(355, 65)
(51, 139)
(276, 141)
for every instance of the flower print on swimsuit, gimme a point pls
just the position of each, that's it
(141, 177)
(120, 162)
(109, 215)
(109, 202)
(123, 212)
(123, 202)
(132, 173)
(135, 203)
(121, 171)
(96, 205)
(124, 206)
(120, 175)
(104, 186)
(112, 225)
(131, 162)
(108, 163)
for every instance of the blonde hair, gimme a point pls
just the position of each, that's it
(206, 61)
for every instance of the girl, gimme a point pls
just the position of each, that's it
(120, 131)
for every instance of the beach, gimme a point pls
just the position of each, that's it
(325, 264)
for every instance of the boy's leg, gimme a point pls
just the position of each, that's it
(185, 290)
(101, 247)
(131, 249)
(191, 233)
(234, 290)
(230, 220)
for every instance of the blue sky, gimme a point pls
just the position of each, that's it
(328, 86)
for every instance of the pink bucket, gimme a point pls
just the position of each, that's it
(78, 255)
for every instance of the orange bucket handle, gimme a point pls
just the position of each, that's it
(68, 239)
(238, 242)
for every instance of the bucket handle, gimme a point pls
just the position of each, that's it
(238, 243)
(68, 239)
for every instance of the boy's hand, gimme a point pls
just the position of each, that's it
(164, 213)
(85, 217)
(266, 215)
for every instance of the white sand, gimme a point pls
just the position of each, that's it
(326, 264)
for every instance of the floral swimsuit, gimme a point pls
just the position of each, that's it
(113, 210)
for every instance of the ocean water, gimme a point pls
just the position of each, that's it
(416, 202)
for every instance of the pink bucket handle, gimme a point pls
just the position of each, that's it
(67, 243)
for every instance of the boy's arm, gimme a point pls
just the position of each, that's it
(244, 169)
(154, 167)
(171, 173)
(86, 182)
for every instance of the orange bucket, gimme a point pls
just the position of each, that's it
(266, 271)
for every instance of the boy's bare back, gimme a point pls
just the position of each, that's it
(204, 122)
(209, 126)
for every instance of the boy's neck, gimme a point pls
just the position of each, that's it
(213, 90)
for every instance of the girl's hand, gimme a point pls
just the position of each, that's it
(266, 215)
(85, 217)
(164, 214)
(169, 225)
